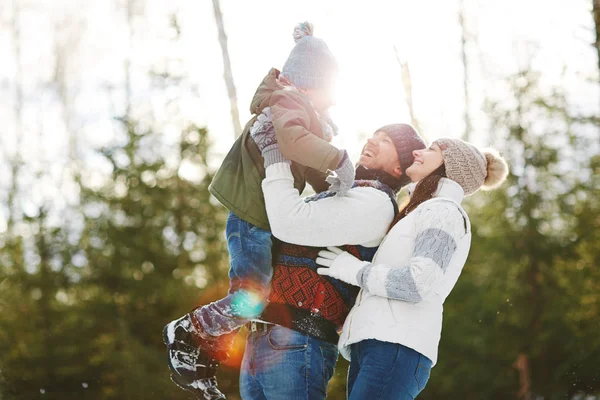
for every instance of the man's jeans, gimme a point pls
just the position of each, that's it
(250, 276)
(382, 370)
(280, 363)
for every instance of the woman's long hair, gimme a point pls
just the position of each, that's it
(424, 191)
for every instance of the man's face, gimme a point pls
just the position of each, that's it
(380, 154)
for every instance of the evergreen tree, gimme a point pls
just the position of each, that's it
(86, 322)
(513, 325)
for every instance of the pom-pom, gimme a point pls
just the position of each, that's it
(302, 29)
(497, 169)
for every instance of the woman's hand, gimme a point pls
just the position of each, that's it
(339, 264)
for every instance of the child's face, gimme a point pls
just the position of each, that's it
(322, 99)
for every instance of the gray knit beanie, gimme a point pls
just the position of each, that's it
(406, 140)
(310, 65)
(470, 167)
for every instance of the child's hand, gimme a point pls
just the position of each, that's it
(343, 179)
(262, 130)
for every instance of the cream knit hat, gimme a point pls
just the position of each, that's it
(470, 167)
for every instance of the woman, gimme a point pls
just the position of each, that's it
(391, 335)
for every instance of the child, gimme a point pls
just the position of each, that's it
(289, 108)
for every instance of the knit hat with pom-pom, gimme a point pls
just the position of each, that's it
(406, 140)
(470, 167)
(310, 65)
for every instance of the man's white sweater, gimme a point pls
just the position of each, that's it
(360, 218)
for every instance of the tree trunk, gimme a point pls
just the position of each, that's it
(596, 12)
(521, 364)
(48, 290)
(228, 75)
(63, 48)
(407, 83)
(15, 159)
(532, 273)
(127, 67)
(463, 47)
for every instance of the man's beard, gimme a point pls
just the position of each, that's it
(391, 181)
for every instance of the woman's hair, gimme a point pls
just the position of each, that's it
(424, 191)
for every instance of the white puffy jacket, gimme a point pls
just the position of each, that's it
(412, 273)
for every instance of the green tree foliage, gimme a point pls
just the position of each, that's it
(34, 321)
(83, 319)
(520, 322)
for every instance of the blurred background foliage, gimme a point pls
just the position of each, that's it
(98, 256)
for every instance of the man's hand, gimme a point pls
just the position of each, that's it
(343, 179)
(272, 155)
(339, 264)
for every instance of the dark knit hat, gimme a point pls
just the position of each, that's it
(406, 140)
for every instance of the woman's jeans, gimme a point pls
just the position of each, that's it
(381, 371)
(280, 363)
(250, 274)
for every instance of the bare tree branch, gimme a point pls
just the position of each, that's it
(228, 75)
(465, 61)
(596, 14)
(407, 83)
(127, 66)
(18, 112)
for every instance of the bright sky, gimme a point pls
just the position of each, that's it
(427, 34)
(362, 36)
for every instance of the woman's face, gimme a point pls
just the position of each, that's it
(426, 161)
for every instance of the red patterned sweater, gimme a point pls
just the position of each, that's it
(305, 301)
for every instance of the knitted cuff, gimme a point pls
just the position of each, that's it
(343, 156)
(345, 174)
(362, 275)
(272, 155)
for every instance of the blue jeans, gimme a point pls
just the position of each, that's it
(280, 363)
(382, 370)
(250, 274)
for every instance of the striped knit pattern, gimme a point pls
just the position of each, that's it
(361, 183)
(435, 244)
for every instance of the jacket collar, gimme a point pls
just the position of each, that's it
(446, 188)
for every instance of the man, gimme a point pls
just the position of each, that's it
(292, 350)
